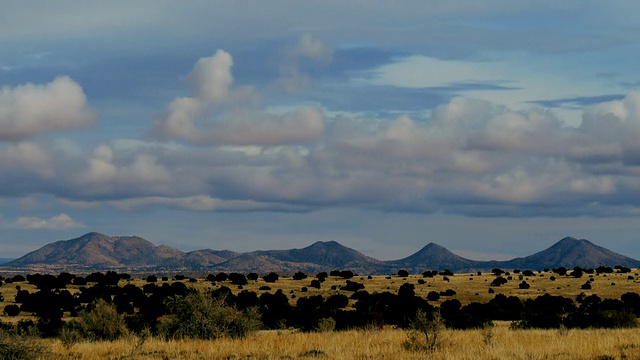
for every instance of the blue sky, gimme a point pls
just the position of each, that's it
(493, 128)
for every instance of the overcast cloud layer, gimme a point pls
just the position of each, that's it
(469, 126)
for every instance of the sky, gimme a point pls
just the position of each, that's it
(492, 128)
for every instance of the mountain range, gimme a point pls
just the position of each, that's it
(94, 251)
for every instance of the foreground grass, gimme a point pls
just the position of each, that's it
(498, 343)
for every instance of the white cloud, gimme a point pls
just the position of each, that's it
(211, 78)
(58, 222)
(28, 110)
(312, 48)
(469, 157)
(259, 128)
(292, 78)
(203, 118)
(138, 172)
(27, 156)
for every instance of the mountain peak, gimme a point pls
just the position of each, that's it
(95, 249)
(571, 252)
(567, 239)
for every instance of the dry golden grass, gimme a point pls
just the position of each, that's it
(375, 344)
(469, 287)
(388, 343)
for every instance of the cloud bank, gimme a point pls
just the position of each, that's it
(219, 149)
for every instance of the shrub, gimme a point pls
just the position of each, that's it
(238, 279)
(403, 273)
(315, 284)
(346, 274)
(18, 278)
(429, 274)
(406, 290)
(562, 271)
(322, 276)
(271, 277)
(70, 336)
(252, 276)
(527, 273)
(299, 276)
(433, 296)
(524, 285)
(448, 292)
(498, 281)
(102, 322)
(12, 310)
(152, 279)
(425, 332)
(337, 301)
(577, 272)
(353, 286)
(199, 316)
(326, 325)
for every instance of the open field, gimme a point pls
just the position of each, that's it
(496, 342)
(499, 343)
(468, 287)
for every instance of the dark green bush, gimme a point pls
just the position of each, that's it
(199, 316)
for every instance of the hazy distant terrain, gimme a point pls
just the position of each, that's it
(99, 251)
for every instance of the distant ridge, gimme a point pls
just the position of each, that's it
(433, 256)
(570, 252)
(98, 250)
(94, 251)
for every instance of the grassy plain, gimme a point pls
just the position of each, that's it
(468, 287)
(498, 342)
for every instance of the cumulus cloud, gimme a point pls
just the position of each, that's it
(133, 173)
(206, 117)
(260, 128)
(27, 156)
(292, 78)
(30, 109)
(468, 157)
(58, 222)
